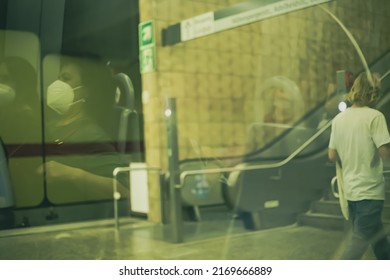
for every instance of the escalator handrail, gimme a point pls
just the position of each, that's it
(245, 166)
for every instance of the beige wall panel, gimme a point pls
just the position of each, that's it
(203, 85)
(248, 86)
(246, 45)
(154, 213)
(302, 49)
(155, 107)
(154, 157)
(215, 110)
(201, 61)
(226, 110)
(190, 85)
(154, 135)
(148, 113)
(249, 111)
(235, 40)
(224, 62)
(180, 9)
(164, 61)
(146, 8)
(183, 137)
(193, 131)
(238, 111)
(187, 109)
(222, 40)
(228, 135)
(177, 86)
(212, 67)
(226, 86)
(266, 45)
(150, 88)
(162, 9)
(255, 43)
(249, 65)
(236, 84)
(204, 113)
(213, 41)
(178, 58)
(187, 9)
(213, 86)
(214, 135)
(239, 133)
(165, 80)
(191, 55)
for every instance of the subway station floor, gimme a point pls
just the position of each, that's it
(218, 238)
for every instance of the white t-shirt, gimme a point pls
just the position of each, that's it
(356, 135)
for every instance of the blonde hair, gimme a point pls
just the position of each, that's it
(363, 91)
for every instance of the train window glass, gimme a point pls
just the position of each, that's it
(78, 125)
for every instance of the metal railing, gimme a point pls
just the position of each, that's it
(116, 194)
(177, 222)
(185, 174)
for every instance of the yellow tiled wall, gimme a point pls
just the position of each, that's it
(215, 78)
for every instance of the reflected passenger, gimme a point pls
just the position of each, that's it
(81, 154)
(278, 105)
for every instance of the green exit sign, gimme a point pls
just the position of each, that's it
(147, 47)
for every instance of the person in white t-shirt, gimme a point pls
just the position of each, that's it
(359, 141)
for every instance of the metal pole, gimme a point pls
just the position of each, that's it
(116, 194)
(115, 197)
(174, 172)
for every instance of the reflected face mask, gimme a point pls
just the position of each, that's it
(60, 96)
(7, 94)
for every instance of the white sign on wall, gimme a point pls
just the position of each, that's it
(206, 24)
(197, 26)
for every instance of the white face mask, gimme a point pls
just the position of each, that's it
(7, 94)
(60, 96)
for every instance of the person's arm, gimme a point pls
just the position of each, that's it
(98, 185)
(333, 155)
(384, 151)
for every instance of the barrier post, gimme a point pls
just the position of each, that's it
(175, 209)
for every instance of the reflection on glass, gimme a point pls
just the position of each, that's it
(81, 154)
(277, 105)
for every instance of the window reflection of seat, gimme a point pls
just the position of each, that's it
(80, 150)
(126, 126)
